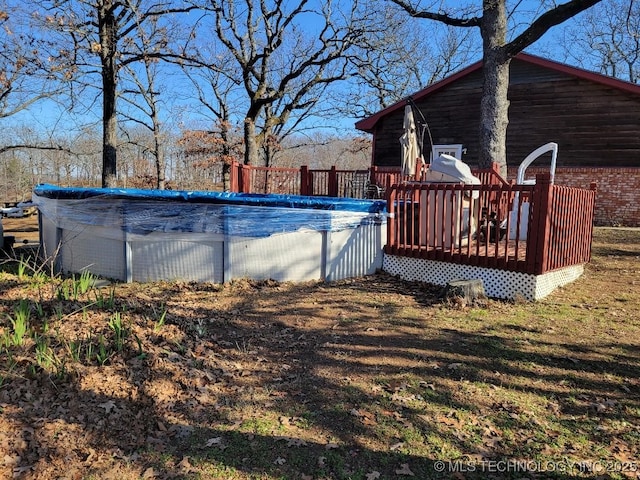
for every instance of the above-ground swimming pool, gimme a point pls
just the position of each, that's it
(150, 235)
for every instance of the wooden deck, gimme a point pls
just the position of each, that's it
(477, 252)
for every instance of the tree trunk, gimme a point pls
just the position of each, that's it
(226, 177)
(107, 31)
(158, 151)
(250, 144)
(226, 154)
(494, 105)
(160, 167)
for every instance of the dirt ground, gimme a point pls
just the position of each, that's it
(368, 378)
(25, 230)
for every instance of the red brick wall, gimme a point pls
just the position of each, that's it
(618, 196)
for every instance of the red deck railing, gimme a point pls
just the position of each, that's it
(250, 179)
(300, 181)
(332, 182)
(523, 228)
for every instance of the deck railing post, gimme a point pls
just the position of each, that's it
(305, 182)
(333, 182)
(495, 168)
(373, 175)
(540, 224)
(593, 186)
(245, 178)
(392, 237)
(233, 177)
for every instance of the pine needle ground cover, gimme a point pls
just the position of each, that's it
(369, 378)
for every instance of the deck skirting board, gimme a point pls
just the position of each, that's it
(497, 283)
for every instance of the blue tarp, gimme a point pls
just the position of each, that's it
(143, 212)
(255, 199)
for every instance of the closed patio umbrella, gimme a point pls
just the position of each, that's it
(409, 143)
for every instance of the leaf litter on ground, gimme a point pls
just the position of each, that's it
(363, 378)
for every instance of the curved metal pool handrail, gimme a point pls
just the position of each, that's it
(548, 147)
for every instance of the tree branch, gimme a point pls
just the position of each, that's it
(440, 17)
(57, 148)
(543, 23)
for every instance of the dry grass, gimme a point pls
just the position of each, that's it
(361, 379)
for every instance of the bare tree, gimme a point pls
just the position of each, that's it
(99, 36)
(87, 147)
(145, 98)
(217, 85)
(497, 54)
(286, 53)
(205, 153)
(27, 74)
(400, 57)
(141, 82)
(607, 39)
(322, 150)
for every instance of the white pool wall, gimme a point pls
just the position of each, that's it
(129, 236)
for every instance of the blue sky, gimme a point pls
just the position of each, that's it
(45, 115)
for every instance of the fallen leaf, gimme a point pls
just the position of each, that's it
(280, 461)
(599, 407)
(450, 421)
(108, 406)
(284, 421)
(296, 442)
(367, 418)
(184, 463)
(214, 441)
(90, 457)
(237, 424)
(424, 418)
(396, 386)
(373, 475)
(611, 403)
(369, 421)
(18, 471)
(149, 474)
(404, 470)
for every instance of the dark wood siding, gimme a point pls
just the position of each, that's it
(452, 116)
(594, 125)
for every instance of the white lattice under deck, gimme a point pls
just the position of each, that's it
(497, 283)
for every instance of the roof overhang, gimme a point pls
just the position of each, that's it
(369, 123)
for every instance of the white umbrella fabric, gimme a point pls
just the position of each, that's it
(409, 143)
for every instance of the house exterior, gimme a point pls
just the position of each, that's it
(593, 118)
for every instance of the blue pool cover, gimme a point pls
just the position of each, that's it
(142, 212)
(255, 199)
